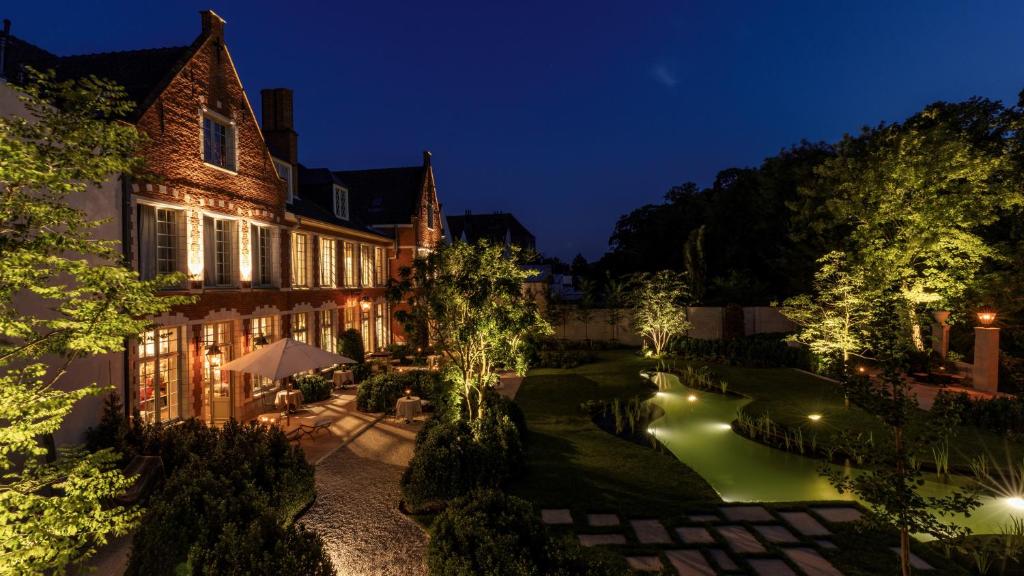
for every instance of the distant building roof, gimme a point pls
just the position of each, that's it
(384, 195)
(315, 200)
(497, 228)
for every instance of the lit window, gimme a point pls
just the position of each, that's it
(220, 238)
(300, 252)
(161, 234)
(300, 327)
(327, 337)
(261, 256)
(350, 264)
(378, 264)
(284, 170)
(328, 263)
(261, 329)
(380, 323)
(218, 393)
(159, 375)
(340, 202)
(366, 265)
(218, 143)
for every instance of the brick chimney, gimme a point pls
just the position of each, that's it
(212, 24)
(278, 126)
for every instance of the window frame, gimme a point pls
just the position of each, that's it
(328, 262)
(230, 135)
(289, 181)
(300, 260)
(340, 192)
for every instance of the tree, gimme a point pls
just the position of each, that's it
(614, 299)
(834, 319)
(469, 299)
(54, 502)
(890, 479)
(585, 307)
(659, 308)
(693, 258)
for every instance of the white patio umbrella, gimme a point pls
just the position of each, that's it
(284, 358)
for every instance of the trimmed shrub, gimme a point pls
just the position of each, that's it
(264, 548)
(113, 430)
(314, 388)
(380, 392)
(350, 344)
(756, 351)
(488, 532)
(564, 359)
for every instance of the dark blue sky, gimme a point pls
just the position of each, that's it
(569, 114)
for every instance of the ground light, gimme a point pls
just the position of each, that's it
(692, 397)
(1016, 502)
(814, 417)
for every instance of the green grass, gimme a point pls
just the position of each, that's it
(574, 464)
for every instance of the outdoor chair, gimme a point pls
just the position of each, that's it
(318, 425)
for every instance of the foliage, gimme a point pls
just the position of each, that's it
(614, 300)
(488, 532)
(223, 487)
(113, 429)
(1003, 414)
(659, 309)
(562, 358)
(470, 301)
(314, 387)
(833, 321)
(265, 548)
(54, 502)
(754, 351)
(380, 392)
(350, 344)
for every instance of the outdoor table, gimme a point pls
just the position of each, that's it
(270, 419)
(408, 408)
(344, 378)
(290, 399)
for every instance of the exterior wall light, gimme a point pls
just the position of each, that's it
(364, 304)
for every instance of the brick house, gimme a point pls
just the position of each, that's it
(268, 248)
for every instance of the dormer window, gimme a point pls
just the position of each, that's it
(219, 141)
(284, 170)
(340, 202)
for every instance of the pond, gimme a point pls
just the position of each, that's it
(696, 429)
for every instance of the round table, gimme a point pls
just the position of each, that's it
(290, 399)
(344, 378)
(408, 408)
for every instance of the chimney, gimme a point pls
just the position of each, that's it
(426, 158)
(212, 24)
(278, 126)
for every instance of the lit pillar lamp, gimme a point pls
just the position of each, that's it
(986, 351)
(940, 333)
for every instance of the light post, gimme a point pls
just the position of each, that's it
(986, 351)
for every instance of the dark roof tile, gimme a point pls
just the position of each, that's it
(385, 195)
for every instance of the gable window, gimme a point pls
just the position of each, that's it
(218, 142)
(300, 252)
(161, 234)
(328, 263)
(340, 202)
(350, 264)
(366, 265)
(220, 244)
(262, 256)
(284, 170)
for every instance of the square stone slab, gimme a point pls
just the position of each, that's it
(704, 518)
(826, 544)
(650, 532)
(601, 539)
(810, 562)
(804, 523)
(777, 534)
(602, 519)
(837, 514)
(721, 557)
(741, 540)
(747, 514)
(644, 563)
(555, 516)
(771, 567)
(695, 535)
(689, 563)
(916, 562)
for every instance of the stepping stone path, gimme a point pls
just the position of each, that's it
(650, 532)
(695, 535)
(916, 562)
(826, 544)
(555, 516)
(741, 540)
(601, 539)
(644, 563)
(747, 514)
(689, 563)
(838, 514)
(721, 557)
(777, 534)
(810, 562)
(804, 523)
(771, 567)
(602, 519)
(704, 518)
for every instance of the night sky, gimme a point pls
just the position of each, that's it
(569, 114)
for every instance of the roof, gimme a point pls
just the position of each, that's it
(142, 73)
(314, 200)
(495, 228)
(384, 195)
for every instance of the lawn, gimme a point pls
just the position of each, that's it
(574, 464)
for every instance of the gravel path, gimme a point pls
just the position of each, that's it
(356, 510)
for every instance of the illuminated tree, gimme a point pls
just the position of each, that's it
(659, 307)
(55, 502)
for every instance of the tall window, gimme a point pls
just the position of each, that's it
(160, 375)
(261, 329)
(328, 263)
(378, 266)
(161, 234)
(340, 202)
(221, 248)
(300, 327)
(284, 170)
(327, 336)
(364, 329)
(218, 397)
(366, 264)
(218, 142)
(300, 252)
(350, 264)
(380, 320)
(350, 317)
(166, 241)
(261, 256)
(222, 251)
